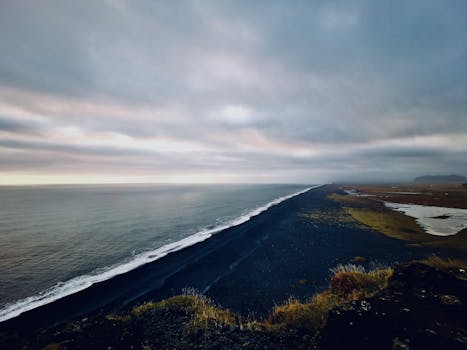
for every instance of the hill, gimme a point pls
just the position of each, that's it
(436, 179)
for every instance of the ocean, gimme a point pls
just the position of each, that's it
(58, 240)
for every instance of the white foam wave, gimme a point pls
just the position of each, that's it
(77, 284)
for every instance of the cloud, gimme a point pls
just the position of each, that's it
(304, 91)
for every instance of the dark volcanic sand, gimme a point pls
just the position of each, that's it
(247, 268)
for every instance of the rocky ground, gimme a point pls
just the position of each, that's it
(424, 306)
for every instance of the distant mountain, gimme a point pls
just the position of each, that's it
(433, 179)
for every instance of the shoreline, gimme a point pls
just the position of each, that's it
(247, 268)
(82, 282)
(60, 309)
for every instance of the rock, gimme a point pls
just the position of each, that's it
(420, 309)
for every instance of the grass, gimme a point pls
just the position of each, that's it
(357, 259)
(397, 225)
(311, 315)
(391, 223)
(370, 212)
(375, 215)
(203, 310)
(119, 318)
(448, 265)
(348, 283)
(352, 282)
(447, 195)
(355, 201)
(336, 217)
(207, 313)
(295, 322)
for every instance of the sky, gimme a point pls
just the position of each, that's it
(231, 91)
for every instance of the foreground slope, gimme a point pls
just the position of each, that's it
(419, 305)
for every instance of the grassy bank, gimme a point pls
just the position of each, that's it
(370, 212)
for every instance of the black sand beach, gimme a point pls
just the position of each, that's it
(247, 268)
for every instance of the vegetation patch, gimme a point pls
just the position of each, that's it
(441, 195)
(447, 265)
(371, 212)
(391, 223)
(203, 310)
(119, 318)
(352, 282)
(348, 283)
(358, 259)
(355, 296)
(356, 201)
(336, 217)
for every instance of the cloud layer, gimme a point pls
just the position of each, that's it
(303, 91)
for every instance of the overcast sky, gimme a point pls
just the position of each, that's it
(232, 91)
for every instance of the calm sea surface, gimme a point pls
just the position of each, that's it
(54, 240)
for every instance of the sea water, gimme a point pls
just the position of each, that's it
(58, 240)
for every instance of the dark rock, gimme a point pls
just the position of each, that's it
(422, 308)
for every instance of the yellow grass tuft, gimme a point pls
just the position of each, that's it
(295, 314)
(444, 264)
(357, 259)
(204, 311)
(349, 282)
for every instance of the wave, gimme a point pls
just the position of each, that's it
(77, 284)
